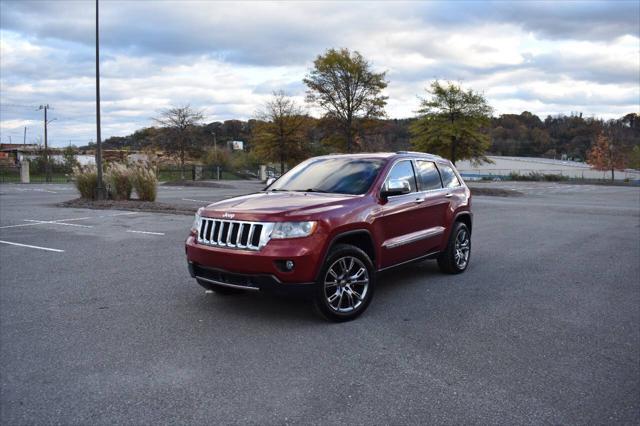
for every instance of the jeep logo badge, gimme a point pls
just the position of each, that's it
(228, 215)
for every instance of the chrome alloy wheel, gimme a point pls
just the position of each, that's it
(462, 249)
(346, 284)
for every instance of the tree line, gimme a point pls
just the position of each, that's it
(452, 121)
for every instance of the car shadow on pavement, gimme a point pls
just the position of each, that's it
(295, 310)
(406, 276)
(260, 306)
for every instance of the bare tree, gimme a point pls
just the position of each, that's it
(279, 135)
(179, 123)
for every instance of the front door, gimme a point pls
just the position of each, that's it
(401, 222)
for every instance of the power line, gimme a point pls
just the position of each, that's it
(18, 106)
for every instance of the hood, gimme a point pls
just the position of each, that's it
(256, 206)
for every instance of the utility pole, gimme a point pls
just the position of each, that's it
(47, 166)
(24, 139)
(100, 195)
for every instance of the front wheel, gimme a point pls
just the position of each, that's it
(455, 258)
(345, 285)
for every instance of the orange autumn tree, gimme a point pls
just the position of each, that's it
(605, 155)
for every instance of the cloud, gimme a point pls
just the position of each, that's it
(226, 58)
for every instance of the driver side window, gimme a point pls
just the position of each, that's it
(402, 171)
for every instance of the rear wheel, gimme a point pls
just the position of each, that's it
(345, 285)
(455, 258)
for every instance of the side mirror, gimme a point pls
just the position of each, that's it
(270, 181)
(395, 187)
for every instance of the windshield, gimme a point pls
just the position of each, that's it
(340, 175)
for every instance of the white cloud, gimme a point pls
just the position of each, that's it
(226, 58)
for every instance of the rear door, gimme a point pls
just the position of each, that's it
(401, 222)
(433, 202)
(454, 190)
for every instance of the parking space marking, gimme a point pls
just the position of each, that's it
(119, 214)
(36, 190)
(33, 247)
(198, 201)
(146, 232)
(33, 222)
(53, 222)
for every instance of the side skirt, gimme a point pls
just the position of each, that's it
(431, 255)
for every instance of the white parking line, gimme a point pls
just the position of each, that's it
(119, 214)
(33, 247)
(198, 201)
(63, 221)
(54, 222)
(146, 232)
(42, 222)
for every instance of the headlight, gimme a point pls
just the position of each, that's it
(196, 223)
(293, 229)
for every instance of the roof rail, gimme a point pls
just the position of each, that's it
(418, 152)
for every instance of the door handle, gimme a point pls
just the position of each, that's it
(419, 200)
(449, 195)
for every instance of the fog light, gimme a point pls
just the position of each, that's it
(289, 265)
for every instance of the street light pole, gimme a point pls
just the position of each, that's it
(47, 165)
(99, 186)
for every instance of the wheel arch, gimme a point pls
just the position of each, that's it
(360, 238)
(465, 217)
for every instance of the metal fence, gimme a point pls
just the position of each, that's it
(9, 175)
(198, 172)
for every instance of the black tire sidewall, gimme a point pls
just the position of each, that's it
(452, 245)
(320, 301)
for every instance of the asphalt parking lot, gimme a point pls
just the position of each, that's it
(100, 323)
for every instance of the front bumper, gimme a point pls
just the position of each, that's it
(210, 278)
(261, 269)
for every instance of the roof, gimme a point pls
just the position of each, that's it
(387, 155)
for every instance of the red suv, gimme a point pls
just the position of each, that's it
(326, 227)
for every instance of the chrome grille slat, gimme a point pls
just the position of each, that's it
(220, 233)
(239, 238)
(251, 230)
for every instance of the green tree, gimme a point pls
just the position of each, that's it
(279, 135)
(451, 123)
(179, 123)
(69, 158)
(344, 85)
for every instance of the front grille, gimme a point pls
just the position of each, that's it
(234, 233)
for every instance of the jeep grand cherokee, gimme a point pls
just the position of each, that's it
(326, 227)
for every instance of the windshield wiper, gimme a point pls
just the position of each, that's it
(319, 191)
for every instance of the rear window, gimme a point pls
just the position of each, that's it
(449, 178)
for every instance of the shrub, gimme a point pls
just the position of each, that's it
(119, 182)
(86, 181)
(144, 182)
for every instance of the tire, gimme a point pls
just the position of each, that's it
(455, 259)
(345, 284)
(218, 289)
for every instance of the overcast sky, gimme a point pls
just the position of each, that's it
(226, 58)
